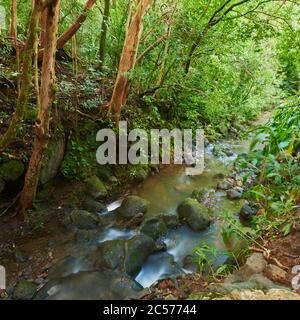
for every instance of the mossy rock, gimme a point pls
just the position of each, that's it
(194, 214)
(24, 290)
(139, 248)
(154, 228)
(12, 170)
(131, 206)
(82, 219)
(95, 187)
(109, 254)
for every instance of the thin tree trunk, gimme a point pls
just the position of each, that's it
(165, 53)
(27, 65)
(103, 34)
(13, 33)
(68, 34)
(128, 59)
(13, 21)
(46, 99)
(74, 56)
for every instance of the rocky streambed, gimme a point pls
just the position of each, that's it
(149, 234)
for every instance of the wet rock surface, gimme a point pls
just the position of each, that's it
(131, 206)
(194, 214)
(90, 285)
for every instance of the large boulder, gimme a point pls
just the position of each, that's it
(194, 214)
(12, 170)
(91, 285)
(139, 248)
(24, 290)
(109, 254)
(131, 206)
(52, 159)
(125, 255)
(154, 228)
(92, 205)
(82, 219)
(95, 187)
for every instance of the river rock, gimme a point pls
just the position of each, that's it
(82, 219)
(91, 285)
(275, 273)
(199, 194)
(272, 294)
(224, 185)
(255, 282)
(154, 228)
(255, 264)
(24, 290)
(95, 187)
(109, 254)
(12, 170)
(131, 206)
(234, 194)
(52, 159)
(248, 211)
(194, 214)
(139, 248)
(94, 206)
(170, 219)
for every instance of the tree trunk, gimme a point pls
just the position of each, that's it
(68, 34)
(46, 99)
(43, 21)
(103, 34)
(128, 59)
(27, 66)
(13, 21)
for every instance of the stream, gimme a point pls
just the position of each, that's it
(164, 191)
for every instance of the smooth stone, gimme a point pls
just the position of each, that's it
(91, 285)
(233, 194)
(248, 211)
(194, 214)
(154, 228)
(224, 185)
(93, 206)
(131, 206)
(82, 219)
(95, 187)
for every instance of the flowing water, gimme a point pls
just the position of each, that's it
(165, 191)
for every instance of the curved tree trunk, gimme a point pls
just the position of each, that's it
(68, 34)
(128, 59)
(46, 99)
(27, 66)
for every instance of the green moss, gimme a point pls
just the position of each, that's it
(12, 170)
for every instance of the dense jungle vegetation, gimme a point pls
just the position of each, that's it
(70, 68)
